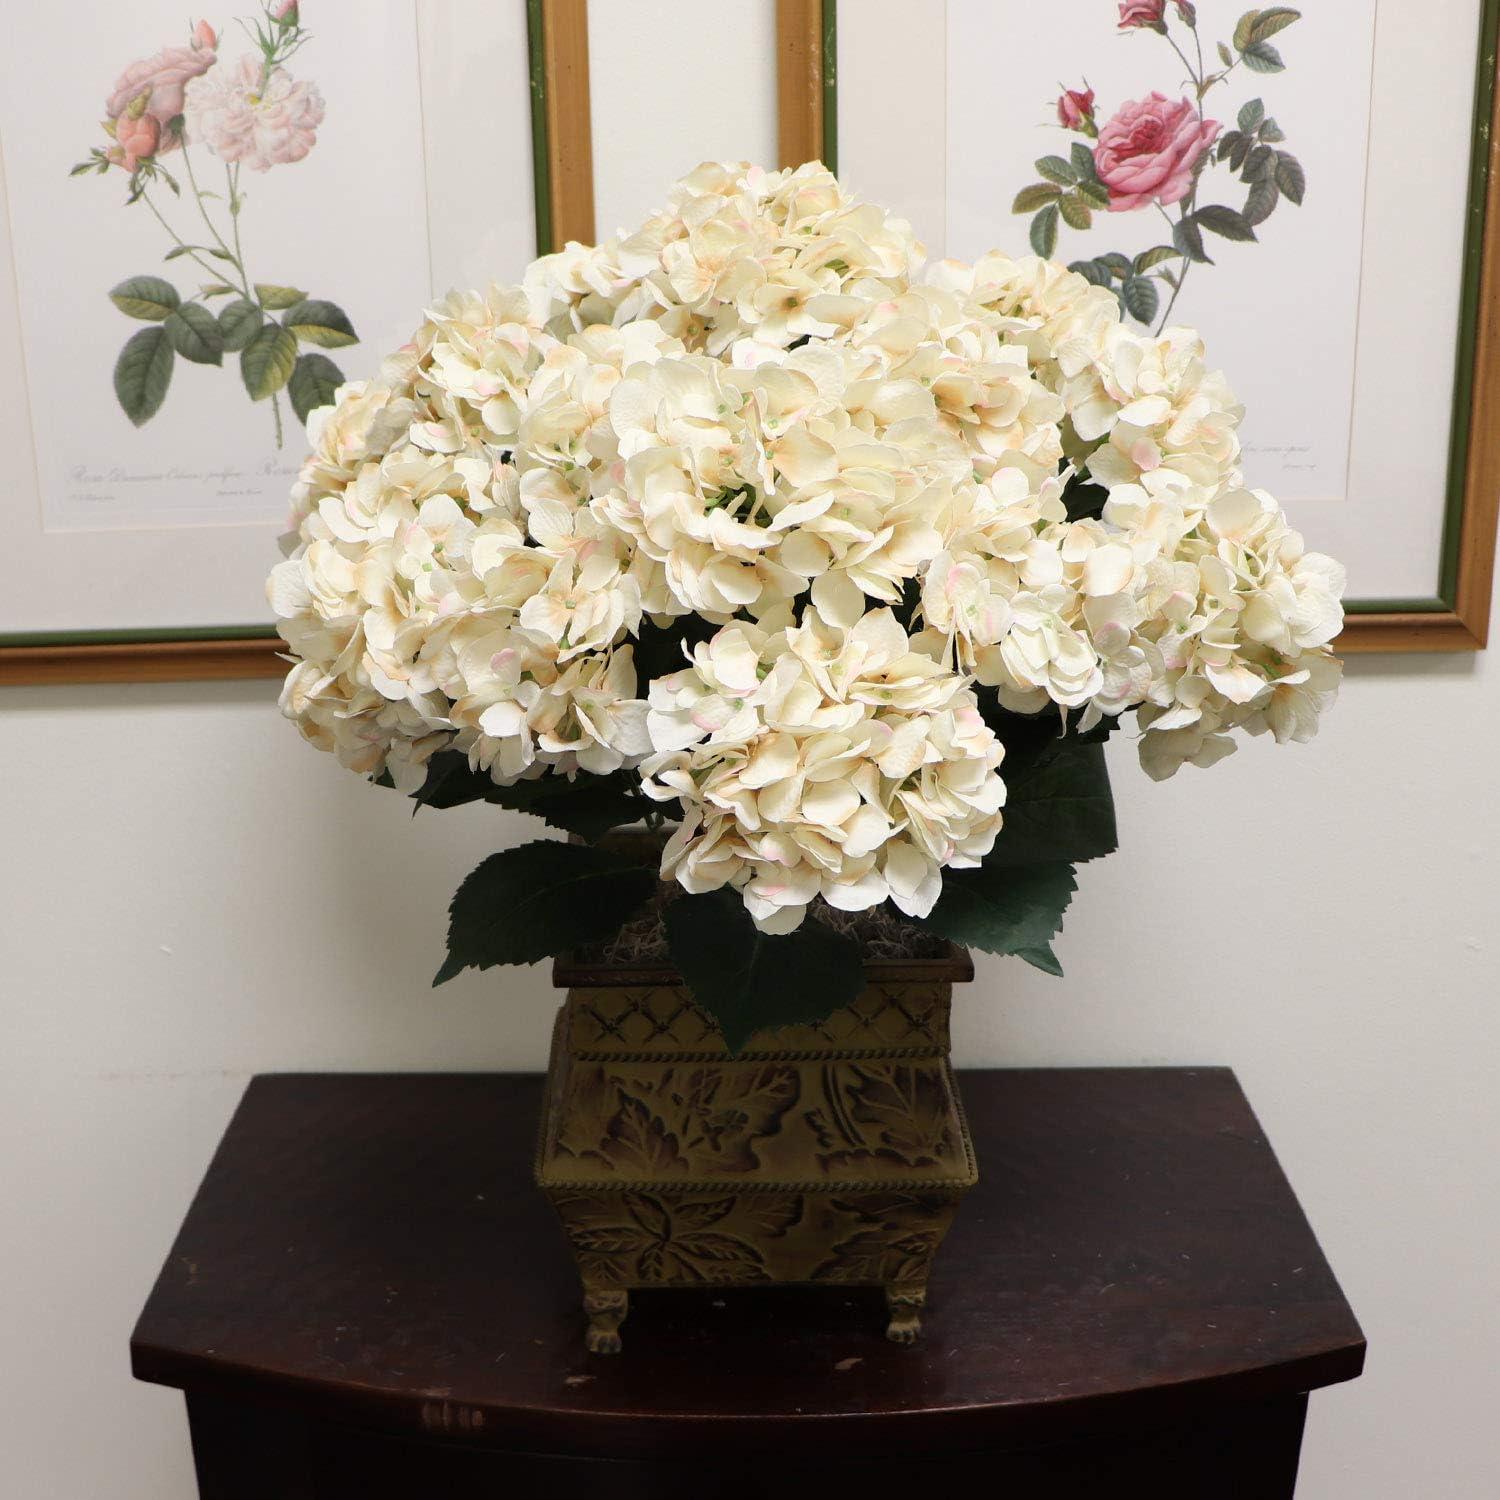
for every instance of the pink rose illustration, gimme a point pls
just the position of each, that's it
(138, 136)
(1142, 13)
(1075, 108)
(163, 80)
(242, 119)
(1148, 150)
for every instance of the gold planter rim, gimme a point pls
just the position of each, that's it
(571, 972)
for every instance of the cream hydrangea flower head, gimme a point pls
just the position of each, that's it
(749, 508)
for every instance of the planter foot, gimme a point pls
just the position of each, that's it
(905, 1303)
(606, 1312)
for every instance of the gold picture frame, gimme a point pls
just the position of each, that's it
(1457, 616)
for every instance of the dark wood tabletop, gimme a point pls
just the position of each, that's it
(371, 1250)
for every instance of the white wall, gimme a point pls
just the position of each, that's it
(190, 895)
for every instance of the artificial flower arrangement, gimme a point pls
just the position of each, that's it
(745, 524)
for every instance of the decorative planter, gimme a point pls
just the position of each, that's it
(835, 1153)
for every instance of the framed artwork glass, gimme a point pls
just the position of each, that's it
(1313, 189)
(215, 228)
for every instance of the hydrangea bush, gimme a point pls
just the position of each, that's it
(746, 523)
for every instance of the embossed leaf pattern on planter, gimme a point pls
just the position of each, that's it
(895, 1242)
(703, 1119)
(893, 1111)
(643, 1237)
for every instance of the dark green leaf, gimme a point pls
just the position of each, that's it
(1271, 131)
(1149, 259)
(314, 380)
(750, 981)
(1140, 297)
(1227, 143)
(1262, 57)
(1082, 159)
(1121, 265)
(320, 323)
(1227, 222)
(1261, 201)
(1075, 211)
(238, 321)
(195, 334)
(1269, 22)
(1242, 29)
(142, 374)
(1005, 909)
(588, 806)
(1290, 177)
(1031, 198)
(1091, 271)
(266, 361)
(1095, 194)
(1252, 112)
(1055, 169)
(1058, 805)
(1188, 239)
(1261, 162)
(1044, 232)
(274, 296)
(146, 297)
(540, 899)
(1239, 151)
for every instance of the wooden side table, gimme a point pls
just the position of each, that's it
(369, 1298)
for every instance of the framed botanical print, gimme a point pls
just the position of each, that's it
(221, 222)
(1312, 188)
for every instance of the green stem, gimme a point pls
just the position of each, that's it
(176, 238)
(276, 416)
(213, 228)
(232, 178)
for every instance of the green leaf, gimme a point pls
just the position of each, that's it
(1075, 211)
(750, 981)
(1082, 159)
(1058, 804)
(276, 297)
(1055, 169)
(1005, 909)
(1262, 57)
(320, 323)
(1033, 197)
(1242, 29)
(1140, 298)
(214, 289)
(1240, 151)
(1269, 22)
(1091, 271)
(1227, 143)
(195, 334)
(1148, 259)
(1095, 194)
(266, 361)
(1261, 162)
(1290, 177)
(1120, 265)
(1044, 232)
(1252, 112)
(1226, 56)
(540, 899)
(1188, 239)
(142, 374)
(1271, 132)
(1261, 201)
(146, 297)
(1227, 222)
(313, 382)
(238, 321)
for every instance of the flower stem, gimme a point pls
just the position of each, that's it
(213, 229)
(176, 238)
